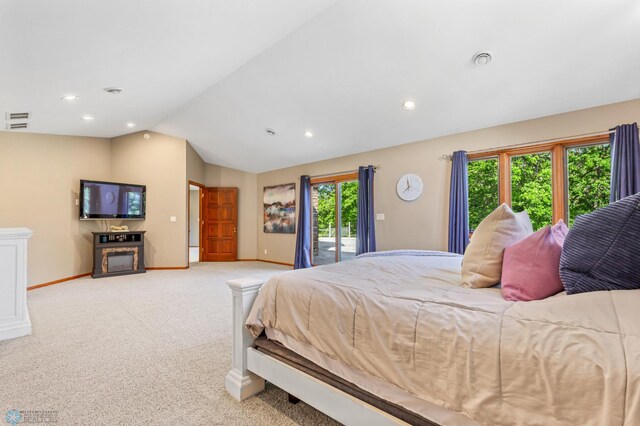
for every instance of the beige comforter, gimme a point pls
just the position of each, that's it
(403, 328)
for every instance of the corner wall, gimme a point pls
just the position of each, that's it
(422, 224)
(160, 163)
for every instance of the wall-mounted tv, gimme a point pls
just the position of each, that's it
(111, 200)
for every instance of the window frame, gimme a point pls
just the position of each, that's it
(559, 169)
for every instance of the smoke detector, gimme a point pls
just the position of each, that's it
(482, 58)
(114, 90)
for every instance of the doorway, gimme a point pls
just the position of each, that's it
(195, 226)
(334, 202)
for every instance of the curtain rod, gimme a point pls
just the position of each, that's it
(540, 142)
(376, 167)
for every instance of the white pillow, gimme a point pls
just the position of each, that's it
(482, 262)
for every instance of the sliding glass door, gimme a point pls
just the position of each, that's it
(334, 202)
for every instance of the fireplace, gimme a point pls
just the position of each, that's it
(118, 253)
(119, 259)
(122, 261)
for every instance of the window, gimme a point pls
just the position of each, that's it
(483, 190)
(551, 181)
(531, 187)
(588, 178)
(334, 201)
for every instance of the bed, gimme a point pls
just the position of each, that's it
(398, 326)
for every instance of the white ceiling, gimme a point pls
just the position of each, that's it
(220, 72)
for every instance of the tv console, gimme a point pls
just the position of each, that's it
(118, 253)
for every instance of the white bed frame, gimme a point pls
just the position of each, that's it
(250, 369)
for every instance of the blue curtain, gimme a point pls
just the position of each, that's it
(303, 238)
(625, 162)
(366, 229)
(459, 203)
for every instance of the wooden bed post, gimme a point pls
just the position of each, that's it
(240, 382)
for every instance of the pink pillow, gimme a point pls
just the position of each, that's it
(530, 269)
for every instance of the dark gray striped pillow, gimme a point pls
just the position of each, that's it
(602, 249)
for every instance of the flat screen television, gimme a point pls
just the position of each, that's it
(111, 200)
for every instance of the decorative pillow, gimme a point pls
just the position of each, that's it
(530, 266)
(602, 249)
(482, 261)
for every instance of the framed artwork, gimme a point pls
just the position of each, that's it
(279, 204)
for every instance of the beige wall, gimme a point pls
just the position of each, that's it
(195, 165)
(422, 224)
(246, 184)
(160, 163)
(39, 183)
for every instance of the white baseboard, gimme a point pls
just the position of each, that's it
(13, 330)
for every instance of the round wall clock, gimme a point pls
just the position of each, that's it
(409, 187)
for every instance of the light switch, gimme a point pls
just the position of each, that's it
(77, 202)
(172, 219)
(379, 216)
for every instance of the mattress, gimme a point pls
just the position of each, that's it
(402, 328)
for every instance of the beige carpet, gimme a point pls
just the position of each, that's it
(148, 349)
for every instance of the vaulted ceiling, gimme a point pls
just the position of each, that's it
(220, 72)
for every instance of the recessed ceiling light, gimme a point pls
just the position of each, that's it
(482, 58)
(270, 132)
(409, 105)
(88, 117)
(114, 90)
(131, 125)
(70, 98)
(308, 134)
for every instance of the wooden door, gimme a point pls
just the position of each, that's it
(220, 225)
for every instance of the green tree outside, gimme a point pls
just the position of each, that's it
(588, 177)
(327, 206)
(483, 190)
(531, 187)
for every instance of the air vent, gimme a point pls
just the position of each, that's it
(17, 116)
(17, 126)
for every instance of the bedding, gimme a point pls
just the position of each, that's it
(404, 329)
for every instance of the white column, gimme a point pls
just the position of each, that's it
(14, 315)
(240, 382)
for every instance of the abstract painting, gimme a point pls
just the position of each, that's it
(280, 209)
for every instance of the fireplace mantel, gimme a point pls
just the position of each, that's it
(118, 253)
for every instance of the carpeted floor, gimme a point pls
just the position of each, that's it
(147, 349)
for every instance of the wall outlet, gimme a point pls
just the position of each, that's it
(265, 251)
(172, 219)
(379, 216)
